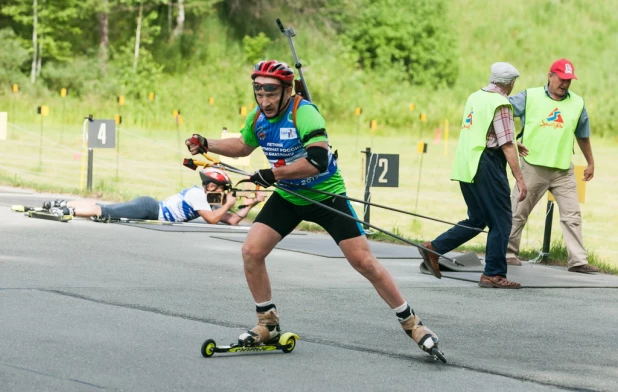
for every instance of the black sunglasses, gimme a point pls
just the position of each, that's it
(268, 87)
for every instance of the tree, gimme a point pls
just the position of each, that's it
(419, 41)
(53, 26)
(35, 50)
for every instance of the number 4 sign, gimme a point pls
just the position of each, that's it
(102, 134)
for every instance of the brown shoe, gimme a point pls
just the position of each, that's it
(513, 261)
(497, 282)
(430, 259)
(584, 268)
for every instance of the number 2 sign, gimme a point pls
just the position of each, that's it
(382, 170)
(102, 134)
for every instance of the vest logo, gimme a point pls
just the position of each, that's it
(279, 163)
(553, 120)
(288, 134)
(468, 121)
(261, 134)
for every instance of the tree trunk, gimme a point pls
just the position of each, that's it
(40, 40)
(104, 36)
(180, 19)
(39, 57)
(169, 18)
(35, 48)
(138, 32)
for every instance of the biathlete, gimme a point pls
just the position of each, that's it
(184, 206)
(292, 134)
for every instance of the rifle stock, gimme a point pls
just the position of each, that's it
(299, 88)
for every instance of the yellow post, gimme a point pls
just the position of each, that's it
(445, 138)
(151, 96)
(243, 111)
(15, 88)
(118, 119)
(63, 92)
(175, 113)
(121, 100)
(373, 125)
(358, 111)
(412, 107)
(423, 117)
(211, 101)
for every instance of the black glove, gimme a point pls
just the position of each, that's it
(263, 177)
(199, 141)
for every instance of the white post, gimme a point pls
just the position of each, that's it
(3, 125)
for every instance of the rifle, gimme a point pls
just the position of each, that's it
(300, 86)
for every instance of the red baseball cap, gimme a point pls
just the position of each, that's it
(564, 69)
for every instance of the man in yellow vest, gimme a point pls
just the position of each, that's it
(486, 145)
(553, 118)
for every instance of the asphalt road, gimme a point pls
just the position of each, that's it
(90, 306)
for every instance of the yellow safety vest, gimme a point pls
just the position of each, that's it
(478, 116)
(549, 128)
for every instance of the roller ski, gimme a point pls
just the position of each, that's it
(55, 210)
(422, 336)
(265, 336)
(286, 343)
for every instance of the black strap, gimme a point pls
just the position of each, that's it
(312, 134)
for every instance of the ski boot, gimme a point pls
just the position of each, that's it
(48, 205)
(62, 211)
(266, 331)
(422, 336)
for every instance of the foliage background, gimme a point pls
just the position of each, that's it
(381, 56)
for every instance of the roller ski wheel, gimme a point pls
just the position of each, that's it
(208, 348)
(437, 354)
(286, 343)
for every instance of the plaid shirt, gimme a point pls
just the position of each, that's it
(502, 129)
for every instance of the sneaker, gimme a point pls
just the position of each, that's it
(513, 261)
(430, 259)
(266, 330)
(584, 268)
(497, 282)
(54, 204)
(422, 336)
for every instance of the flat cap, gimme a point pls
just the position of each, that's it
(503, 73)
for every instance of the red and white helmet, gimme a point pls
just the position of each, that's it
(217, 176)
(274, 69)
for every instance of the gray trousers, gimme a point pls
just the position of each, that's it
(562, 184)
(144, 207)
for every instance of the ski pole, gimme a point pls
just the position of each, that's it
(283, 188)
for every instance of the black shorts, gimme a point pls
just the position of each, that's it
(283, 216)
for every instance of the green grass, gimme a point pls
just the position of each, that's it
(148, 158)
(149, 163)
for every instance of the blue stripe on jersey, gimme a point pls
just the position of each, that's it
(189, 212)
